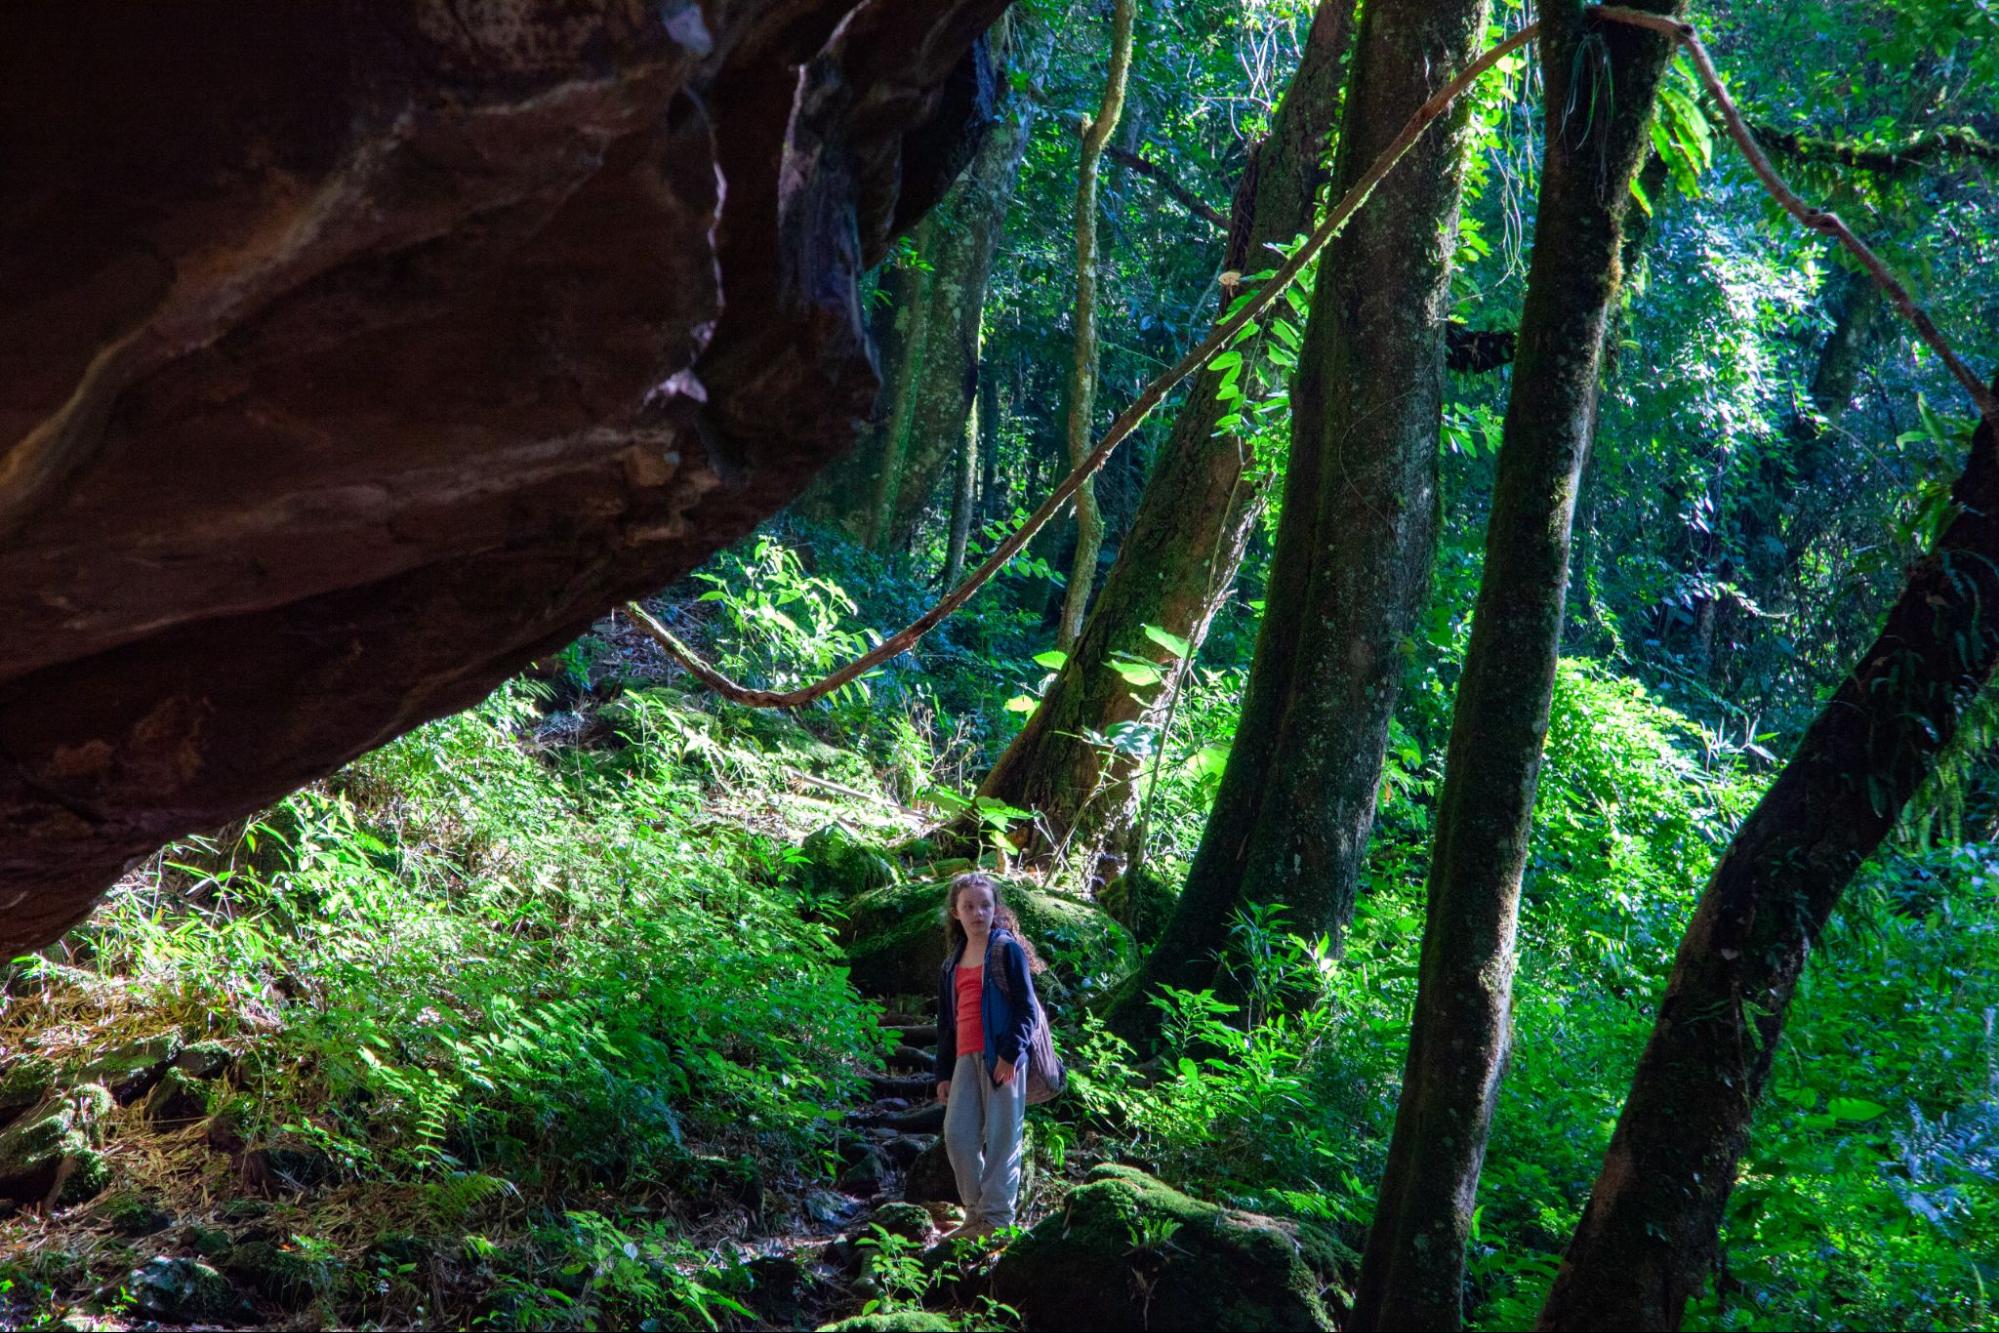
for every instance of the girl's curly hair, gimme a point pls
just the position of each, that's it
(954, 930)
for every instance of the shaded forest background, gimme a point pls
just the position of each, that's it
(552, 1013)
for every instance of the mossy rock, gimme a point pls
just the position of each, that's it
(902, 1321)
(287, 1277)
(176, 1098)
(49, 1143)
(1128, 1251)
(204, 1059)
(1140, 901)
(131, 1069)
(26, 1082)
(895, 936)
(839, 865)
(907, 1220)
(135, 1215)
(184, 1291)
(229, 1128)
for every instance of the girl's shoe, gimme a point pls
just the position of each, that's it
(967, 1230)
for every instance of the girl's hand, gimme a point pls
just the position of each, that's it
(1003, 1073)
(944, 1091)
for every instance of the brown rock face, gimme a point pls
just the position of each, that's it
(355, 354)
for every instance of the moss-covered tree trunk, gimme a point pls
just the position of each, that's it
(1646, 1242)
(1097, 133)
(930, 349)
(1179, 558)
(1412, 1274)
(1354, 547)
(964, 495)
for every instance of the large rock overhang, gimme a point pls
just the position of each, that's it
(357, 354)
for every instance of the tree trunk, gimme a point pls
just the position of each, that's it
(1412, 1275)
(990, 500)
(964, 496)
(1353, 551)
(1177, 562)
(1647, 1239)
(930, 349)
(1083, 369)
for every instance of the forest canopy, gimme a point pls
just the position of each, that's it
(1498, 760)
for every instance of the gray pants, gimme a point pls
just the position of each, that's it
(982, 1138)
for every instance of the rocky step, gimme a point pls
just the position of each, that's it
(926, 1117)
(912, 1058)
(910, 1087)
(914, 1034)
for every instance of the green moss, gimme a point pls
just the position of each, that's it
(1141, 902)
(839, 865)
(26, 1081)
(204, 1059)
(902, 1321)
(1129, 1251)
(907, 1220)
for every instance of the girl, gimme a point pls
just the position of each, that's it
(985, 1016)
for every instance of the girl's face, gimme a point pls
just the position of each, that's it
(975, 909)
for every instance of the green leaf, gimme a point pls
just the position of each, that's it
(1135, 670)
(1054, 659)
(1168, 640)
(1226, 361)
(1022, 703)
(1857, 1109)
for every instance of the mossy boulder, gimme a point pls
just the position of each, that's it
(288, 1276)
(176, 1098)
(51, 1143)
(907, 1220)
(130, 1070)
(184, 1291)
(895, 936)
(25, 1082)
(839, 865)
(1128, 1251)
(1140, 901)
(135, 1215)
(204, 1059)
(901, 1321)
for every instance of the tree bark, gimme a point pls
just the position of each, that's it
(1412, 1275)
(1083, 369)
(1353, 551)
(1646, 1242)
(930, 349)
(1177, 562)
(964, 495)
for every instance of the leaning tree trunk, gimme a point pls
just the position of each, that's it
(1177, 562)
(1646, 1242)
(1412, 1275)
(1353, 553)
(1083, 369)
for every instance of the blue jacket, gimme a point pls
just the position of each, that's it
(1008, 1022)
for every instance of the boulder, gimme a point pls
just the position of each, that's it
(895, 941)
(204, 1059)
(175, 1098)
(130, 1070)
(135, 1215)
(1140, 901)
(52, 1143)
(286, 1275)
(929, 1178)
(908, 1220)
(840, 866)
(1127, 1251)
(25, 1081)
(899, 1321)
(493, 316)
(184, 1291)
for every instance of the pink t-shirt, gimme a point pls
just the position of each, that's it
(971, 999)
